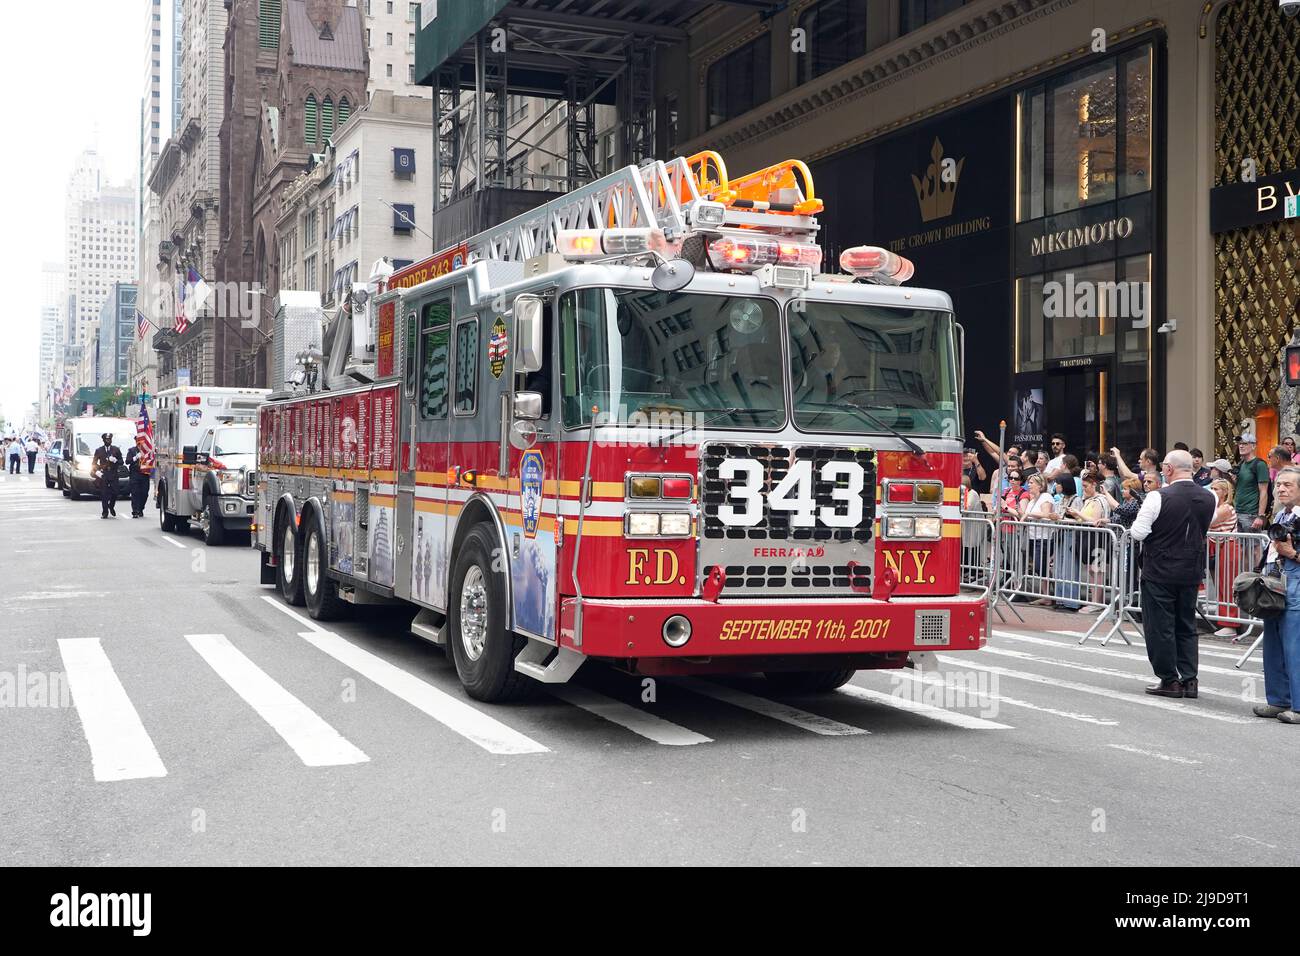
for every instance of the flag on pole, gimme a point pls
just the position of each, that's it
(141, 325)
(182, 320)
(144, 429)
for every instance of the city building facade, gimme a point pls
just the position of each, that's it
(390, 27)
(186, 180)
(115, 333)
(53, 302)
(297, 71)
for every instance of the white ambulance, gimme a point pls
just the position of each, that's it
(205, 441)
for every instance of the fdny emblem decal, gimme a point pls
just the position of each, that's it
(531, 469)
(194, 415)
(498, 347)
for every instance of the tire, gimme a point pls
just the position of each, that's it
(64, 488)
(49, 482)
(481, 647)
(214, 535)
(72, 491)
(288, 572)
(808, 682)
(166, 520)
(319, 589)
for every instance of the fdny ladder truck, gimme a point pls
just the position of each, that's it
(640, 424)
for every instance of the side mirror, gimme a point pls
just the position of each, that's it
(67, 454)
(961, 359)
(529, 312)
(202, 458)
(528, 406)
(190, 455)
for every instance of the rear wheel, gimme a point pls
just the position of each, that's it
(288, 555)
(808, 682)
(214, 532)
(481, 647)
(319, 589)
(166, 521)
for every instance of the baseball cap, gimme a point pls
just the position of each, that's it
(1221, 464)
(1246, 439)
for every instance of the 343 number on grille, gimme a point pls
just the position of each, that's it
(794, 494)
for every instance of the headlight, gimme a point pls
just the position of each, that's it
(231, 482)
(900, 527)
(81, 462)
(929, 527)
(642, 524)
(676, 524)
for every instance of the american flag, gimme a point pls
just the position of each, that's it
(498, 345)
(141, 325)
(182, 320)
(144, 429)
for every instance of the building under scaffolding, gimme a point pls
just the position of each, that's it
(571, 57)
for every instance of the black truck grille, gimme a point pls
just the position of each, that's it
(756, 577)
(775, 526)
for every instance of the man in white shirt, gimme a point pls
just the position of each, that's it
(1173, 522)
(1056, 464)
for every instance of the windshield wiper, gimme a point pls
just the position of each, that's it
(870, 419)
(721, 413)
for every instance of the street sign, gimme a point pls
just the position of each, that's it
(182, 378)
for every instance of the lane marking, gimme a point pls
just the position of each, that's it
(770, 708)
(170, 540)
(452, 712)
(1151, 753)
(120, 747)
(1015, 702)
(1159, 703)
(279, 605)
(954, 717)
(311, 738)
(1124, 655)
(632, 718)
(1109, 672)
(1138, 642)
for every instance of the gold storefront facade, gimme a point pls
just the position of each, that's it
(1257, 289)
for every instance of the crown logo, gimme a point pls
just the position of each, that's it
(933, 195)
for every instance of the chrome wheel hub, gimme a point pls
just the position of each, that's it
(313, 564)
(473, 613)
(286, 554)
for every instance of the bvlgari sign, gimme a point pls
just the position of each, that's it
(1237, 205)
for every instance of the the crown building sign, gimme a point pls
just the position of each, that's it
(936, 198)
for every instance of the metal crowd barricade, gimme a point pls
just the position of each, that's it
(976, 548)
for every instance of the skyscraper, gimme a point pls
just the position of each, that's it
(53, 302)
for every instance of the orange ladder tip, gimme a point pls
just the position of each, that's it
(777, 187)
(710, 171)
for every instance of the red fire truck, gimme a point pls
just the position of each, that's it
(638, 424)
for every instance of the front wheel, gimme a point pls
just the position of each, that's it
(808, 682)
(288, 554)
(481, 647)
(320, 590)
(166, 520)
(214, 532)
(49, 482)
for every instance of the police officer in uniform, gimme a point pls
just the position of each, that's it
(138, 468)
(108, 458)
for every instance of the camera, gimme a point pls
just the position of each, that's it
(1285, 532)
(1289, 8)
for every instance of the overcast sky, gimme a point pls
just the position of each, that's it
(75, 72)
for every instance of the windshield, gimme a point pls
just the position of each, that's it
(235, 441)
(87, 442)
(864, 369)
(662, 356)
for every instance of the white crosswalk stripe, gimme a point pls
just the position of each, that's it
(625, 715)
(120, 747)
(771, 708)
(1017, 702)
(1097, 649)
(955, 717)
(311, 738)
(1111, 672)
(452, 712)
(1157, 703)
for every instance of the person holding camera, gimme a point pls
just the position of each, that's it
(1172, 523)
(1282, 633)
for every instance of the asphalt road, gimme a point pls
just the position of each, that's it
(208, 724)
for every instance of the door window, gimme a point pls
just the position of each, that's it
(434, 340)
(467, 367)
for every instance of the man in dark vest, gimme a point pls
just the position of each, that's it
(1172, 525)
(108, 459)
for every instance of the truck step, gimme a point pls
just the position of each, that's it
(431, 626)
(561, 667)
